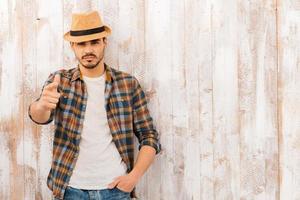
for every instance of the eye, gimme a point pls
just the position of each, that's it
(95, 42)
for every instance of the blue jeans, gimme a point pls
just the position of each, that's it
(105, 194)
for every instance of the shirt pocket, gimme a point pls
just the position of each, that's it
(120, 105)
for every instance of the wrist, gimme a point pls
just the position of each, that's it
(135, 175)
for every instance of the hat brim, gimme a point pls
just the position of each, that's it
(85, 38)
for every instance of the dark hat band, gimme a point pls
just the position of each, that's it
(88, 31)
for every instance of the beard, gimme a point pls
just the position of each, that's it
(90, 64)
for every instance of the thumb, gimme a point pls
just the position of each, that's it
(56, 82)
(57, 79)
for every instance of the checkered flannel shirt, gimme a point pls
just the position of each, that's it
(127, 115)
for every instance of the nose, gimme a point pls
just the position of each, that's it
(88, 49)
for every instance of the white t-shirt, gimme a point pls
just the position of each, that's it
(99, 161)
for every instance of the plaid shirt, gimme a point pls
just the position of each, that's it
(127, 115)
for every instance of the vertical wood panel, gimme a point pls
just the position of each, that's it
(4, 137)
(257, 60)
(12, 125)
(198, 77)
(69, 60)
(179, 98)
(110, 15)
(226, 152)
(30, 148)
(289, 97)
(158, 73)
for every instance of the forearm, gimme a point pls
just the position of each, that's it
(38, 114)
(145, 157)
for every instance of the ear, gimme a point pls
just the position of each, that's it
(104, 40)
(72, 45)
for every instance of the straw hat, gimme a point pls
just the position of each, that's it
(86, 26)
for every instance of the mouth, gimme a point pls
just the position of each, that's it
(88, 57)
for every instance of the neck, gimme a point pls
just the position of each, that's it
(95, 72)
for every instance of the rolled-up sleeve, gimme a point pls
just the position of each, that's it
(143, 123)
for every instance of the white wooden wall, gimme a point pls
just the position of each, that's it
(222, 79)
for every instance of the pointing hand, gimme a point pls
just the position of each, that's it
(50, 95)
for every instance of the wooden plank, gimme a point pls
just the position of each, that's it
(126, 22)
(110, 16)
(131, 44)
(69, 59)
(225, 99)
(257, 65)
(4, 136)
(161, 182)
(178, 87)
(289, 97)
(30, 147)
(198, 72)
(11, 119)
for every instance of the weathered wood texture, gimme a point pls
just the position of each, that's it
(222, 81)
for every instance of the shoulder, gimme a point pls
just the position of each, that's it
(121, 75)
(65, 73)
(124, 77)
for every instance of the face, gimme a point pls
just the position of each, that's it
(89, 53)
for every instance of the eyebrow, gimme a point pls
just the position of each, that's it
(80, 43)
(96, 40)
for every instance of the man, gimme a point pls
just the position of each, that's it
(97, 111)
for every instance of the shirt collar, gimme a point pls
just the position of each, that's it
(77, 73)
